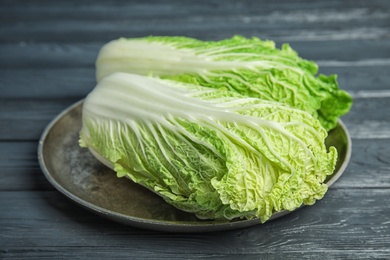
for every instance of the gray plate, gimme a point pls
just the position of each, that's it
(76, 173)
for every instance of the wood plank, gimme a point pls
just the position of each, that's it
(355, 78)
(139, 7)
(19, 167)
(30, 83)
(49, 55)
(202, 27)
(369, 165)
(297, 20)
(51, 225)
(369, 117)
(372, 108)
(26, 119)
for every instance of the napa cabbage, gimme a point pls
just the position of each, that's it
(250, 67)
(209, 151)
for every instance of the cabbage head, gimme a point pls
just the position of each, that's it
(209, 151)
(250, 67)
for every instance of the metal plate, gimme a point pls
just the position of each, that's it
(75, 172)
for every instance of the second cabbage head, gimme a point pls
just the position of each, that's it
(250, 67)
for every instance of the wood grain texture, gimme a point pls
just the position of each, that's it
(20, 170)
(53, 226)
(26, 119)
(67, 83)
(214, 19)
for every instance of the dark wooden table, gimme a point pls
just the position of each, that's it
(47, 54)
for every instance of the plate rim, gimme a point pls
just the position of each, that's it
(161, 225)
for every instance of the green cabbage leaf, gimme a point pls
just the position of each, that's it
(212, 152)
(250, 67)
